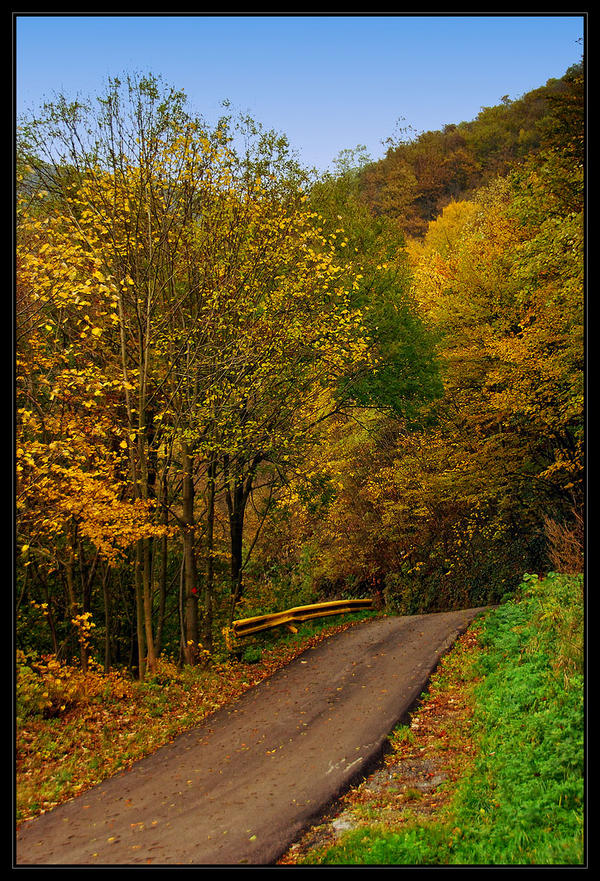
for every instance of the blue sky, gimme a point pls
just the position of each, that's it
(329, 83)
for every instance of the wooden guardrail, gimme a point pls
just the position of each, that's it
(248, 626)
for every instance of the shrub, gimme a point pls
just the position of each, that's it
(46, 687)
(566, 542)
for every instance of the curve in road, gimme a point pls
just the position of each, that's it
(241, 787)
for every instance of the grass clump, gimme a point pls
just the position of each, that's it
(520, 801)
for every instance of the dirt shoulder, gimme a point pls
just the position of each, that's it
(416, 776)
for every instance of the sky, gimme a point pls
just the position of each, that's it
(329, 83)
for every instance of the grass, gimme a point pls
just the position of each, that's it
(514, 794)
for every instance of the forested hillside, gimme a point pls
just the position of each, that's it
(422, 173)
(240, 388)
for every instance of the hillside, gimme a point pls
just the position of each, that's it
(423, 173)
(240, 389)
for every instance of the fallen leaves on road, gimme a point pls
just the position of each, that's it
(60, 757)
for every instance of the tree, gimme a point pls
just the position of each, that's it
(405, 373)
(327, 506)
(507, 300)
(229, 320)
(451, 508)
(70, 487)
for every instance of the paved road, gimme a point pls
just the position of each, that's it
(241, 787)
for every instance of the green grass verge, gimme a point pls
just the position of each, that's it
(522, 800)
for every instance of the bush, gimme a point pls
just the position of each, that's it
(46, 687)
(566, 542)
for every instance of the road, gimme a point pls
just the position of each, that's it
(241, 787)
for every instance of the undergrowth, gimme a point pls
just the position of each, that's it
(75, 728)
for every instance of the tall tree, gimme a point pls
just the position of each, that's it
(229, 321)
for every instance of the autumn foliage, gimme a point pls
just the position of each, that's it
(239, 389)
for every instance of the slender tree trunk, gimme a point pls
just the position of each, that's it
(236, 503)
(190, 573)
(237, 495)
(236, 524)
(162, 590)
(162, 569)
(139, 611)
(181, 613)
(135, 483)
(207, 639)
(86, 575)
(147, 592)
(73, 604)
(149, 467)
(106, 597)
(49, 615)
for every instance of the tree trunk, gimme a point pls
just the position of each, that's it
(73, 604)
(106, 596)
(49, 614)
(147, 591)
(139, 611)
(236, 523)
(190, 573)
(207, 639)
(238, 492)
(162, 572)
(162, 593)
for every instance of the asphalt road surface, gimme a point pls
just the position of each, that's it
(240, 788)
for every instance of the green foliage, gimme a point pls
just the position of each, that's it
(406, 372)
